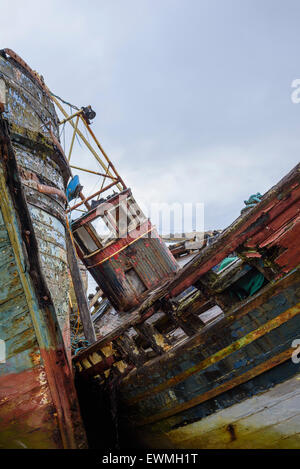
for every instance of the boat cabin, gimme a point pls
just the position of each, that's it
(122, 250)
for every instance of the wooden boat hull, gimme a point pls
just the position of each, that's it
(224, 387)
(267, 421)
(30, 114)
(38, 402)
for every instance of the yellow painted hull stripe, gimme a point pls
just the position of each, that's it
(221, 354)
(271, 363)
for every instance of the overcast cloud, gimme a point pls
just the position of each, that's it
(193, 97)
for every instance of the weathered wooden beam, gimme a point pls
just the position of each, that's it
(95, 298)
(83, 306)
(186, 324)
(136, 355)
(157, 341)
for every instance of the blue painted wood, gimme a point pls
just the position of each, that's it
(38, 407)
(237, 363)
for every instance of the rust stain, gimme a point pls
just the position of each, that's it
(35, 358)
(231, 429)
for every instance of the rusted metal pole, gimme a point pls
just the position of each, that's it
(91, 197)
(93, 172)
(73, 138)
(103, 152)
(83, 306)
(84, 139)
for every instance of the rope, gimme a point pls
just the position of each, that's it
(65, 102)
(75, 340)
(253, 200)
(78, 322)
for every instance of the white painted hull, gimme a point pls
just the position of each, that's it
(267, 420)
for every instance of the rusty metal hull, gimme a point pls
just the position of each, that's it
(38, 403)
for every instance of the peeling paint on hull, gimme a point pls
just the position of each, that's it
(38, 402)
(270, 420)
(27, 108)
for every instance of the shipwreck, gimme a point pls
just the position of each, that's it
(186, 346)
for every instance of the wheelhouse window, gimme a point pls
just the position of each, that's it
(85, 239)
(135, 280)
(120, 218)
(104, 230)
(112, 222)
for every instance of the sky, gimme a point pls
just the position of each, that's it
(193, 97)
